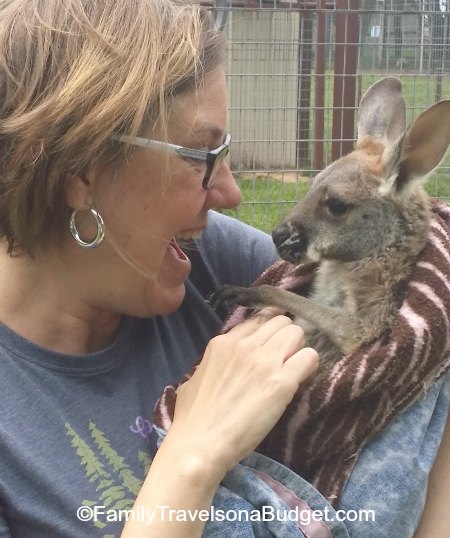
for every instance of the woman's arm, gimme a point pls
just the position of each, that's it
(180, 481)
(435, 522)
(246, 379)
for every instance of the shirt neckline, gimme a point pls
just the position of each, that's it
(88, 364)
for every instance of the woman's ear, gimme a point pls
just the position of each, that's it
(79, 189)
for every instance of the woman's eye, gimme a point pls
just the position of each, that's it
(336, 207)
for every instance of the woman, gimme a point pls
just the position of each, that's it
(97, 314)
(88, 339)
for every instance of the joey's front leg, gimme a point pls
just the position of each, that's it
(230, 296)
(346, 332)
(257, 297)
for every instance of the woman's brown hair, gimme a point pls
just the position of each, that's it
(73, 72)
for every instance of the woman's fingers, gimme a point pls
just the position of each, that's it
(250, 325)
(276, 335)
(302, 364)
(284, 342)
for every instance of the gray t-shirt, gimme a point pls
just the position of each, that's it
(75, 430)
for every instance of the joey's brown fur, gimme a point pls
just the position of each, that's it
(364, 222)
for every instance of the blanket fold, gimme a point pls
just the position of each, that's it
(335, 414)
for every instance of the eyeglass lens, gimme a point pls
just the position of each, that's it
(210, 175)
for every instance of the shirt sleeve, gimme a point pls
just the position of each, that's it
(229, 252)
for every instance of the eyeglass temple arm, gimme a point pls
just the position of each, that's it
(147, 143)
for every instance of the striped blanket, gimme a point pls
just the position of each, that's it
(334, 415)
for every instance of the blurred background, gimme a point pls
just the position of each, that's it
(296, 73)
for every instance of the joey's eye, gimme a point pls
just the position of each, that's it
(336, 207)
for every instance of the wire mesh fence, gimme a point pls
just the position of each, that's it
(296, 72)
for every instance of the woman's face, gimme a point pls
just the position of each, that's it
(155, 197)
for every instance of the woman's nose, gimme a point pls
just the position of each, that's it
(225, 193)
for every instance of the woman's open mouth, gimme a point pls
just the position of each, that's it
(175, 250)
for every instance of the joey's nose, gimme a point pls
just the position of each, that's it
(291, 240)
(280, 234)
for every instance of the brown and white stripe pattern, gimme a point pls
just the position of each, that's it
(332, 417)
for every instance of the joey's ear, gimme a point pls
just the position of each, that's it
(421, 149)
(79, 189)
(381, 113)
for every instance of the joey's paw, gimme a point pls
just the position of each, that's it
(228, 297)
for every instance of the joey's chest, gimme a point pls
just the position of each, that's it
(331, 287)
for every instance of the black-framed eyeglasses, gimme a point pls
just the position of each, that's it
(213, 158)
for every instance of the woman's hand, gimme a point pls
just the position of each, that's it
(240, 389)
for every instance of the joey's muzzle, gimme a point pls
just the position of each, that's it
(291, 243)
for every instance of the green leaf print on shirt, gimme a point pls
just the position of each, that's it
(115, 482)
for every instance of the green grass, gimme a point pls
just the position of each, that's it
(266, 201)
